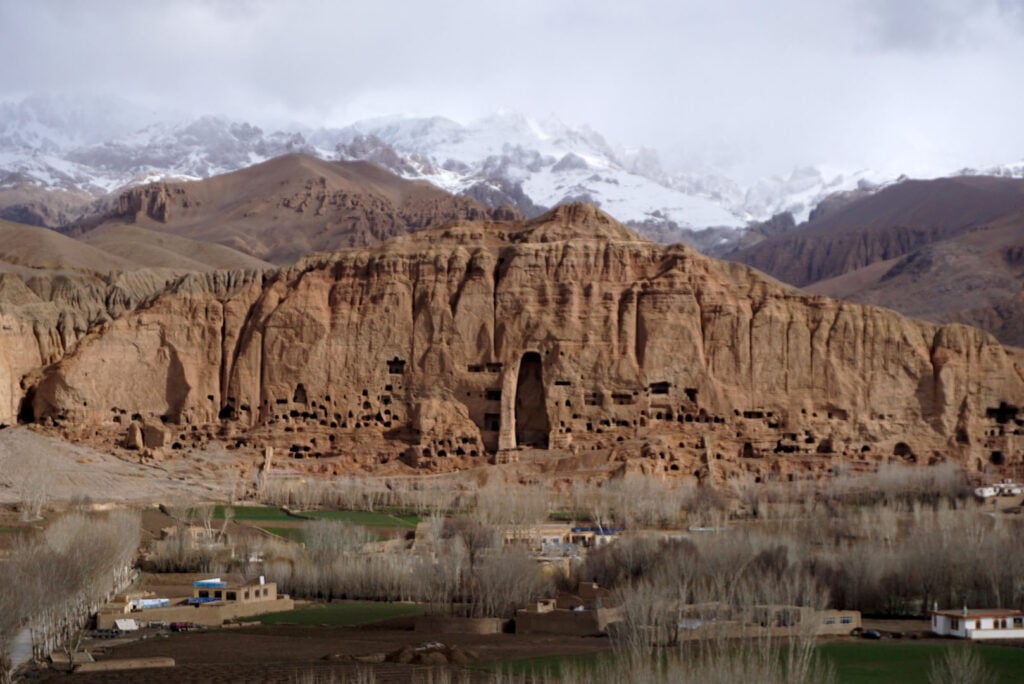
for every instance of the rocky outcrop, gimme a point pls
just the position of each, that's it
(154, 201)
(567, 332)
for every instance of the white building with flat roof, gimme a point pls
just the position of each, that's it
(979, 623)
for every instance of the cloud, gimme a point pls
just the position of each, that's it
(758, 87)
(940, 25)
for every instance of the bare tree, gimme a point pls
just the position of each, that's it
(960, 665)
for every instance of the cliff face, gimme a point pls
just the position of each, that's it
(45, 313)
(567, 332)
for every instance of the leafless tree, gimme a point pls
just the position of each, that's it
(505, 580)
(960, 665)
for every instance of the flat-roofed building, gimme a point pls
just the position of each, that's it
(979, 623)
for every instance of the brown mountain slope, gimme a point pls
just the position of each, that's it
(291, 206)
(142, 247)
(568, 333)
(886, 225)
(29, 247)
(948, 250)
(975, 278)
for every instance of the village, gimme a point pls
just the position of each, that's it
(495, 584)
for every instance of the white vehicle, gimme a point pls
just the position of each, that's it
(985, 492)
(1008, 489)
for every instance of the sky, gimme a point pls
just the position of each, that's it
(746, 86)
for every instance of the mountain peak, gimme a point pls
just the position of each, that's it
(577, 220)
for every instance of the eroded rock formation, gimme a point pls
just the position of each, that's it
(465, 340)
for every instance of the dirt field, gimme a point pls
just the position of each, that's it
(69, 472)
(286, 653)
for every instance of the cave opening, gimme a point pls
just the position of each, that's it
(26, 409)
(532, 425)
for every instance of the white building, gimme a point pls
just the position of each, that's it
(975, 623)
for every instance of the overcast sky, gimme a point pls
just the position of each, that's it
(749, 85)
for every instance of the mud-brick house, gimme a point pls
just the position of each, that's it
(203, 601)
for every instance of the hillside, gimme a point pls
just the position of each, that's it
(943, 250)
(29, 247)
(293, 205)
(142, 248)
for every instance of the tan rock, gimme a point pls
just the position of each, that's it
(566, 327)
(133, 438)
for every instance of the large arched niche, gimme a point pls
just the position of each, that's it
(531, 414)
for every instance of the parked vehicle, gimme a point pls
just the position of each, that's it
(106, 633)
(871, 634)
(185, 627)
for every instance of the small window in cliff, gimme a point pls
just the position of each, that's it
(494, 367)
(396, 366)
(1003, 413)
(996, 458)
(299, 397)
(691, 393)
(622, 398)
(492, 395)
(492, 422)
(660, 387)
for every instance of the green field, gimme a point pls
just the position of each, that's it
(908, 663)
(367, 518)
(857, 662)
(252, 513)
(401, 520)
(342, 613)
(290, 533)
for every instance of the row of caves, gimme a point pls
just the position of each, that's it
(547, 409)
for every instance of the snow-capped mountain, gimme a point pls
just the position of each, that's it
(509, 158)
(92, 147)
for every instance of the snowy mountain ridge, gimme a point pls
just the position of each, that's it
(92, 147)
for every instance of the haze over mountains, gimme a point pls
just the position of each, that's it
(87, 149)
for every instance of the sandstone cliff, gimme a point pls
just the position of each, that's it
(55, 290)
(566, 332)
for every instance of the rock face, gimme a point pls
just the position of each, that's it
(54, 291)
(568, 331)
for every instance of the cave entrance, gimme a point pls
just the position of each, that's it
(26, 409)
(532, 426)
